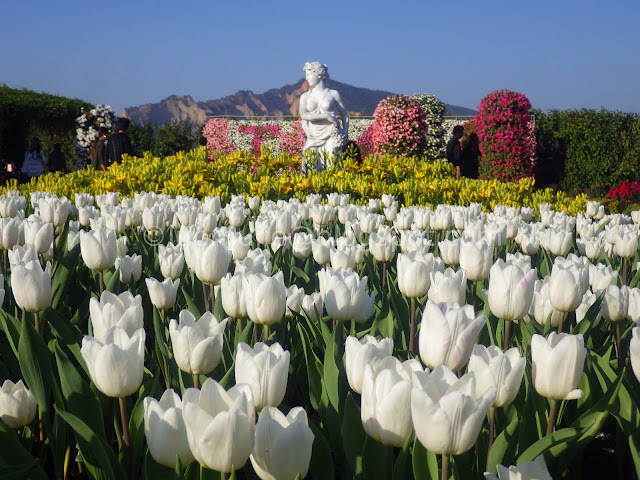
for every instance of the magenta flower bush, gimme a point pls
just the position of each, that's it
(399, 127)
(216, 131)
(259, 134)
(365, 142)
(506, 133)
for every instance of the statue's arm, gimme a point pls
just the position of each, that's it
(344, 114)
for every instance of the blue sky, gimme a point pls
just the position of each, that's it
(561, 54)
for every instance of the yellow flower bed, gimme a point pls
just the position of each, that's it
(414, 181)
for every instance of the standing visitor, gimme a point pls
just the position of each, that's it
(454, 152)
(470, 156)
(57, 161)
(554, 165)
(119, 143)
(34, 160)
(99, 160)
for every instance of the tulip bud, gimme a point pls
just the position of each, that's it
(448, 287)
(448, 334)
(31, 286)
(130, 268)
(98, 248)
(558, 362)
(166, 431)
(17, 404)
(510, 290)
(293, 438)
(265, 369)
(534, 470)
(162, 294)
(116, 366)
(124, 311)
(360, 353)
(493, 368)
(222, 418)
(197, 345)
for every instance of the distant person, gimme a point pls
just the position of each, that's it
(454, 151)
(470, 156)
(203, 143)
(34, 160)
(554, 165)
(541, 160)
(119, 143)
(99, 159)
(57, 160)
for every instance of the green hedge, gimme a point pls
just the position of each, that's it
(602, 147)
(27, 114)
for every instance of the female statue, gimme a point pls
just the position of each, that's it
(325, 119)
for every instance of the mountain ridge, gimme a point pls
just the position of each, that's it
(276, 102)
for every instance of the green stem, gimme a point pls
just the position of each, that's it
(125, 435)
(625, 262)
(196, 380)
(552, 416)
(212, 293)
(412, 328)
(206, 297)
(445, 467)
(101, 275)
(492, 420)
(37, 315)
(390, 463)
(507, 334)
(384, 276)
(67, 457)
(340, 332)
(562, 314)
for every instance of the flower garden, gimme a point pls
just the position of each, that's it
(175, 318)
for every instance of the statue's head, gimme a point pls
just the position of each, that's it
(317, 68)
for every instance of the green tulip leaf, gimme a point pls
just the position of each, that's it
(402, 468)
(80, 400)
(11, 326)
(353, 435)
(375, 456)
(504, 446)
(321, 465)
(635, 452)
(152, 470)
(62, 276)
(562, 445)
(384, 322)
(99, 458)
(16, 461)
(67, 333)
(300, 274)
(33, 355)
(425, 462)
(191, 304)
(313, 375)
(331, 372)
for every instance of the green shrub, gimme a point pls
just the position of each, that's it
(602, 147)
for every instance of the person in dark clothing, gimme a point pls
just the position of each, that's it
(100, 161)
(554, 166)
(454, 152)
(57, 162)
(119, 143)
(470, 156)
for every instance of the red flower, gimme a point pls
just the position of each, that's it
(597, 184)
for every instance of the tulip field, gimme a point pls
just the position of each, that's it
(175, 337)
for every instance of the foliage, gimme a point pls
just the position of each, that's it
(399, 127)
(166, 139)
(26, 114)
(602, 147)
(503, 126)
(434, 110)
(413, 180)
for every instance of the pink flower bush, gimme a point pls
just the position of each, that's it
(506, 134)
(293, 141)
(216, 131)
(399, 127)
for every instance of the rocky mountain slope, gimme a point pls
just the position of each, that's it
(277, 102)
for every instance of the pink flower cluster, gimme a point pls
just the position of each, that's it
(259, 133)
(292, 142)
(506, 133)
(216, 131)
(399, 127)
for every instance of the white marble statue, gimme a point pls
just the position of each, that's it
(325, 119)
